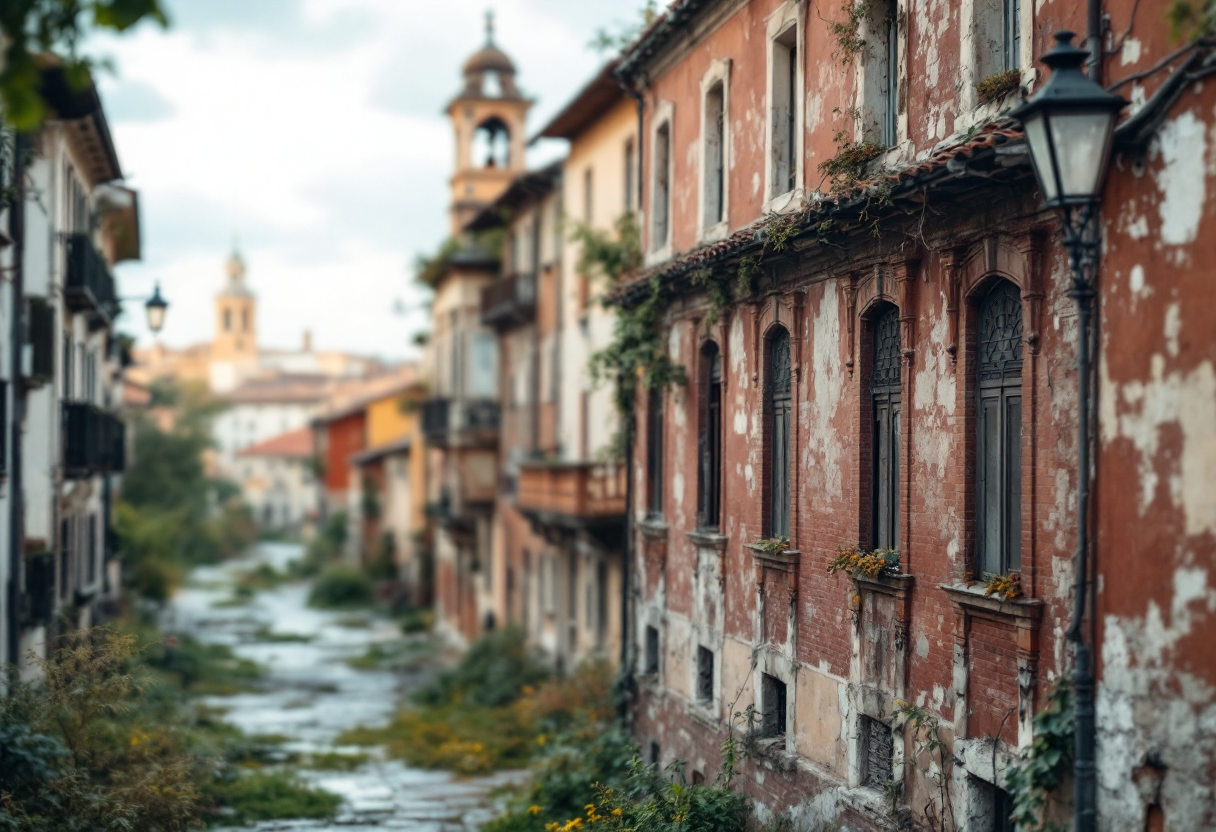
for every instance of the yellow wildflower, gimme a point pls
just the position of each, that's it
(617, 811)
(534, 810)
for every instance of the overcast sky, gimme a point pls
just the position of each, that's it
(313, 131)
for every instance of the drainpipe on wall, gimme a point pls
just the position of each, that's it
(16, 538)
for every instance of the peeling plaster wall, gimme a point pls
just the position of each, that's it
(1156, 514)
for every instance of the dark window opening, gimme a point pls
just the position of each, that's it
(715, 155)
(705, 675)
(877, 753)
(654, 753)
(784, 112)
(630, 173)
(711, 440)
(65, 558)
(651, 663)
(654, 452)
(661, 194)
(999, 432)
(779, 407)
(991, 806)
(885, 402)
(772, 691)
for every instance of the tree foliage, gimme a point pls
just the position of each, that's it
(34, 28)
(623, 35)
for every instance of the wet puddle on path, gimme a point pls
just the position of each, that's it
(311, 695)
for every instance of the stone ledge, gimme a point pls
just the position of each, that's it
(889, 584)
(786, 558)
(653, 527)
(708, 539)
(974, 599)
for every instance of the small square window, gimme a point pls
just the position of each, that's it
(705, 675)
(772, 691)
(652, 651)
(878, 752)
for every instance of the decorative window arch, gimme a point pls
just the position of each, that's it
(778, 397)
(886, 406)
(709, 444)
(998, 457)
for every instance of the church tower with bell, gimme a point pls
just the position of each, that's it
(488, 121)
(234, 349)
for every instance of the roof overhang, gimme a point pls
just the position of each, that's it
(591, 102)
(85, 120)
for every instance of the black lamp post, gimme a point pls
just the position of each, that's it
(156, 308)
(1069, 124)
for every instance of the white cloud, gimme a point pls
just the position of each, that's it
(313, 130)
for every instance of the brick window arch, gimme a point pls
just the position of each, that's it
(998, 457)
(778, 402)
(885, 403)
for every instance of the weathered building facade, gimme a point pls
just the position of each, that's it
(874, 321)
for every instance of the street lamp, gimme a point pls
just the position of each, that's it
(156, 307)
(1069, 124)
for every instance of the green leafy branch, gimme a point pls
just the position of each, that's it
(34, 29)
(1043, 765)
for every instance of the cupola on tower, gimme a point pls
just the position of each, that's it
(236, 325)
(488, 119)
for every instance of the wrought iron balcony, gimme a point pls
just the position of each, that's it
(572, 494)
(89, 286)
(509, 301)
(94, 441)
(460, 421)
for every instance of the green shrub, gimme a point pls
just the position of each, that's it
(417, 621)
(325, 548)
(493, 672)
(244, 798)
(341, 586)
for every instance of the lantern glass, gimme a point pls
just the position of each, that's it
(155, 308)
(1035, 125)
(1079, 140)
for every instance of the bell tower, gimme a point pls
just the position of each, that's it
(488, 122)
(236, 323)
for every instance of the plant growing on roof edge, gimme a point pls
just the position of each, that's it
(995, 87)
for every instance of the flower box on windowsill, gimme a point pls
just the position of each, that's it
(973, 598)
(786, 557)
(898, 584)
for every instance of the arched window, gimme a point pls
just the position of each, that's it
(227, 320)
(885, 402)
(244, 320)
(998, 455)
(710, 440)
(491, 144)
(779, 396)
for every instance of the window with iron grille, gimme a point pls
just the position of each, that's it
(651, 664)
(705, 675)
(711, 439)
(779, 406)
(999, 431)
(885, 403)
(877, 753)
(654, 453)
(772, 691)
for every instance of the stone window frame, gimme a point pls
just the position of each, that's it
(708, 349)
(767, 519)
(874, 31)
(787, 16)
(657, 250)
(980, 23)
(718, 74)
(770, 661)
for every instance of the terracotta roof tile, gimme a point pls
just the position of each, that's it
(297, 443)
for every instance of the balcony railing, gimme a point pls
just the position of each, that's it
(94, 441)
(572, 492)
(452, 420)
(509, 301)
(89, 286)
